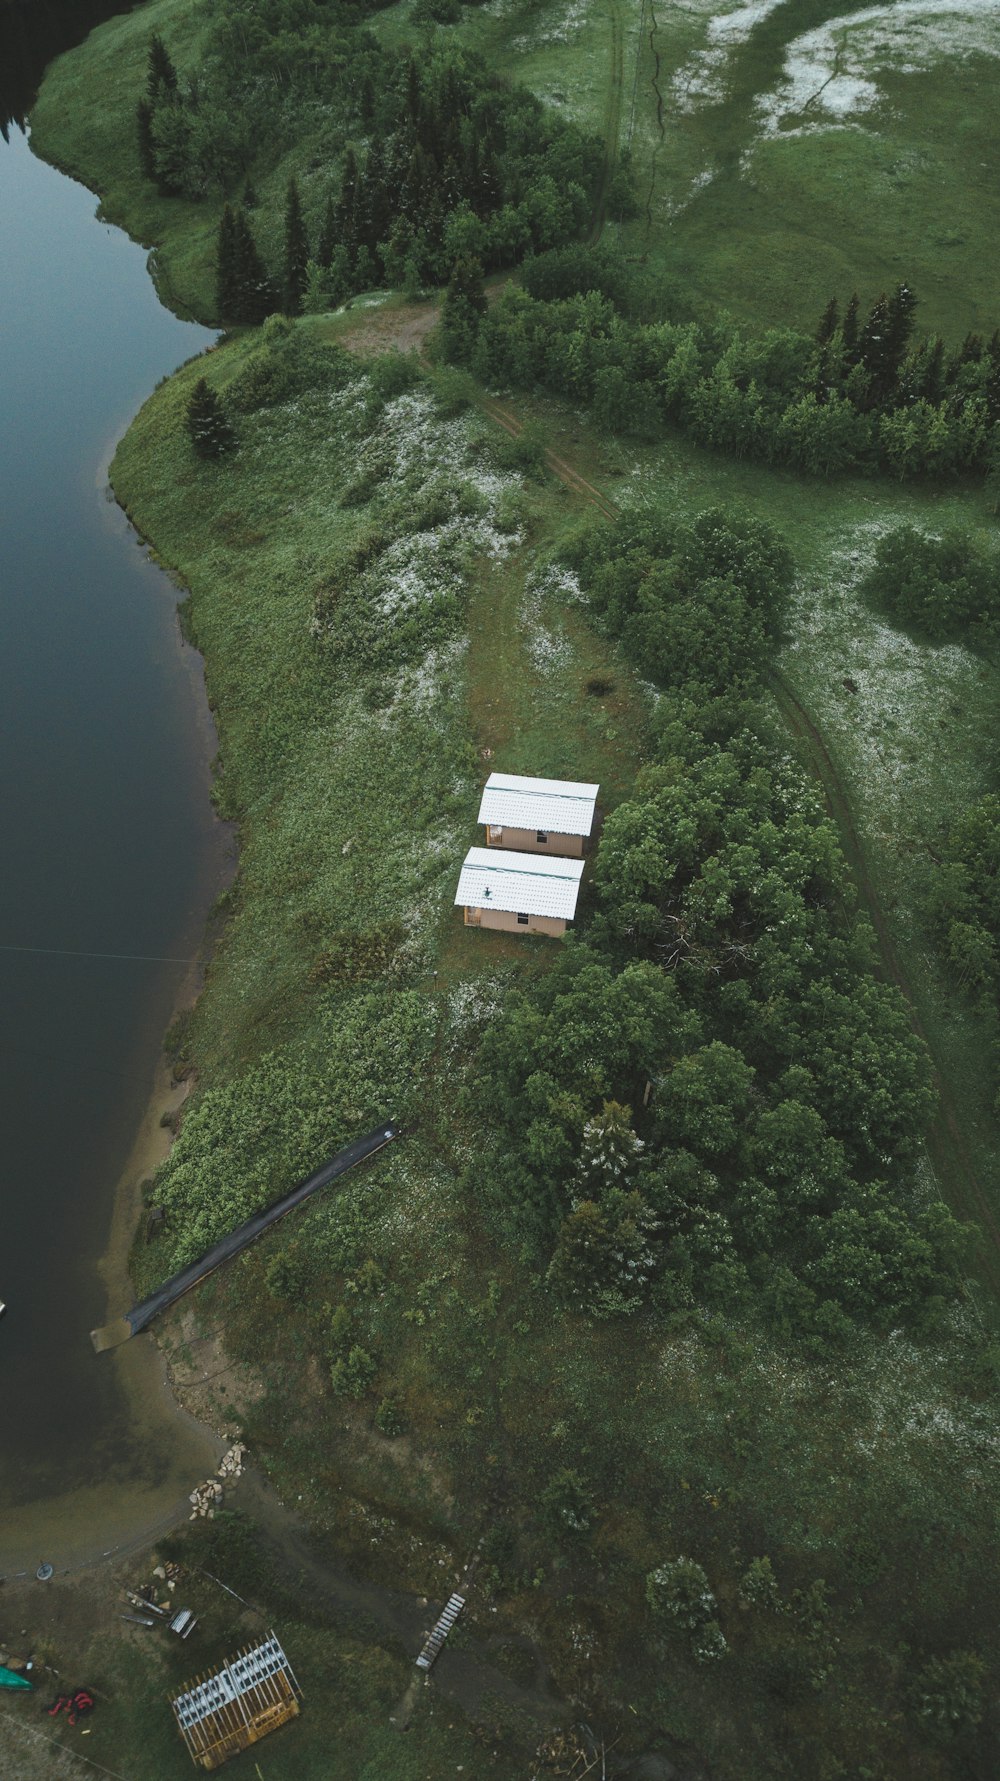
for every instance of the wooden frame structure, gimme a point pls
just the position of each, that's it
(226, 1711)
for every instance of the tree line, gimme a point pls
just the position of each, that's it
(711, 1098)
(859, 395)
(455, 162)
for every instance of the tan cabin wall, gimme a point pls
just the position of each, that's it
(506, 919)
(567, 847)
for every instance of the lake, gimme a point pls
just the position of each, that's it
(111, 858)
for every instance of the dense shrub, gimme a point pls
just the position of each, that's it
(938, 588)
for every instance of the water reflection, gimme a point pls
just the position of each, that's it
(110, 851)
(32, 32)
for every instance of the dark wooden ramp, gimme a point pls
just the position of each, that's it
(142, 1314)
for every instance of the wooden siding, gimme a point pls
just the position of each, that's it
(507, 919)
(567, 847)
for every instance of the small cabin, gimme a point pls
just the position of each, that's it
(518, 891)
(553, 816)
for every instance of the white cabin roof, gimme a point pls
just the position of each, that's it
(556, 806)
(520, 883)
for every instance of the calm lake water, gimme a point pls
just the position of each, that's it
(109, 846)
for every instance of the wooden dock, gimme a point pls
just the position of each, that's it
(440, 1631)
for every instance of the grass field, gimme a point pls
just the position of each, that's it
(804, 149)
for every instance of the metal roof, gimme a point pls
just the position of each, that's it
(520, 883)
(236, 1677)
(557, 806)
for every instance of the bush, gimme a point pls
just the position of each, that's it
(937, 588)
(567, 1505)
(678, 1592)
(352, 1376)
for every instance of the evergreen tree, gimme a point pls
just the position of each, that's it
(254, 296)
(347, 204)
(296, 252)
(933, 369)
(850, 326)
(250, 196)
(327, 237)
(227, 290)
(207, 423)
(874, 345)
(828, 323)
(610, 1152)
(161, 75)
(991, 378)
(144, 138)
(412, 99)
(901, 317)
(462, 310)
(993, 471)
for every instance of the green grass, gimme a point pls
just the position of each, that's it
(768, 227)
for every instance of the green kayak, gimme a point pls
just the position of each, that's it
(10, 1679)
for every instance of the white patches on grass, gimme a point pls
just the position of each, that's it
(549, 649)
(554, 25)
(831, 74)
(702, 80)
(892, 705)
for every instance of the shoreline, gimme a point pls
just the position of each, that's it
(182, 1447)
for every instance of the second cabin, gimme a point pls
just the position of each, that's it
(553, 816)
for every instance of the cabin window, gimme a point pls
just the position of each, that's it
(494, 832)
(523, 920)
(541, 836)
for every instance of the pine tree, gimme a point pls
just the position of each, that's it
(161, 75)
(296, 252)
(254, 295)
(991, 381)
(327, 237)
(849, 328)
(462, 310)
(412, 92)
(144, 138)
(932, 379)
(993, 471)
(828, 323)
(347, 204)
(207, 423)
(901, 318)
(227, 290)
